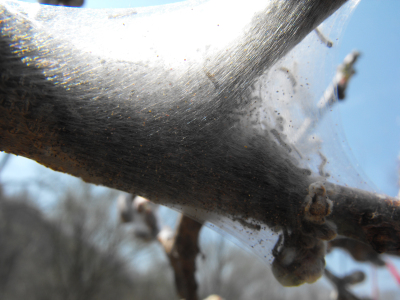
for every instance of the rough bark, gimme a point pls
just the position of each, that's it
(178, 139)
(182, 256)
(370, 218)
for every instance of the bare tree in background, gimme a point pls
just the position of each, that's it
(75, 257)
(87, 264)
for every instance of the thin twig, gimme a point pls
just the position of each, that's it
(359, 251)
(341, 284)
(182, 256)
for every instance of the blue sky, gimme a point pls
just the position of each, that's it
(371, 114)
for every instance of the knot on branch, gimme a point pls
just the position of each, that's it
(298, 258)
(317, 204)
(299, 254)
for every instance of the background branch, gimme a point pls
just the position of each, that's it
(182, 255)
(342, 284)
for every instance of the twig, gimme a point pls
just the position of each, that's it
(182, 256)
(181, 250)
(323, 39)
(359, 251)
(342, 283)
(335, 91)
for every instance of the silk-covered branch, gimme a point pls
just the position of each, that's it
(178, 130)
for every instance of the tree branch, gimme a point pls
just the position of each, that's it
(179, 131)
(367, 217)
(182, 256)
(342, 284)
(72, 113)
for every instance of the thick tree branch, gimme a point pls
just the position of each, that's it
(370, 218)
(149, 131)
(178, 131)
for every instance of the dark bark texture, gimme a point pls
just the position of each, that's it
(181, 137)
(183, 255)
